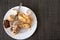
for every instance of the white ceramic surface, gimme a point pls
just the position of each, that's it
(26, 34)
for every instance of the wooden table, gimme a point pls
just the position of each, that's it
(48, 16)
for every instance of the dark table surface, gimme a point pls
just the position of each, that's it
(48, 16)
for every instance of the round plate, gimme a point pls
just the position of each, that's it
(26, 34)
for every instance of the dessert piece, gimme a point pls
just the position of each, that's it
(26, 25)
(15, 29)
(6, 23)
(11, 18)
(28, 19)
(21, 18)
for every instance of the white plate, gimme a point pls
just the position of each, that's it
(26, 34)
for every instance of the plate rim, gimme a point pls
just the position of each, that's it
(36, 22)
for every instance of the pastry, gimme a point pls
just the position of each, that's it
(6, 23)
